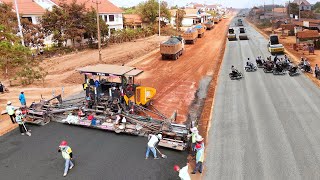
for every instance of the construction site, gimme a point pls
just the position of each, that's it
(153, 85)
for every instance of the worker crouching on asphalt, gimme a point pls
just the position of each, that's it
(10, 111)
(199, 156)
(183, 172)
(67, 155)
(152, 143)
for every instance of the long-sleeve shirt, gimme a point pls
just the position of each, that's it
(22, 99)
(10, 110)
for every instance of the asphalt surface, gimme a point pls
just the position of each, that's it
(264, 126)
(97, 154)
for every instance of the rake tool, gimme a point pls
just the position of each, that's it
(162, 155)
(27, 132)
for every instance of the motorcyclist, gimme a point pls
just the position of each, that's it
(250, 64)
(234, 71)
(275, 59)
(306, 65)
(259, 61)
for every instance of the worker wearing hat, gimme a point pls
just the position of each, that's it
(153, 141)
(66, 152)
(10, 111)
(22, 99)
(200, 155)
(183, 172)
(194, 134)
(19, 120)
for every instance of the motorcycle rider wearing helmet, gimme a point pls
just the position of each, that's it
(249, 64)
(234, 71)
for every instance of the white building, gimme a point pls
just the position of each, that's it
(192, 17)
(304, 5)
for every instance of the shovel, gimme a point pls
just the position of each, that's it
(27, 132)
(162, 155)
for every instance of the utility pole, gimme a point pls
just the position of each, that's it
(98, 29)
(159, 16)
(272, 16)
(299, 9)
(19, 23)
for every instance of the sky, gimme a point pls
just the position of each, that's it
(226, 3)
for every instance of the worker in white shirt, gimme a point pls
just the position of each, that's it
(153, 141)
(183, 172)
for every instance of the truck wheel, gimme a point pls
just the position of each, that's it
(176, 56)
(163, 57)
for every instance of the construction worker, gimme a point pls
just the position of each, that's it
(183, 172)
(66, 152)
(199, 157)
(153, 141)
(19, 120)
(194, 134)
(22, 99)
(10, 111)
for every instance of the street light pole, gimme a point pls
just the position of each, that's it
(159, 16)
(272, 16)
(19, 23)
(98, 29)
(299, 9)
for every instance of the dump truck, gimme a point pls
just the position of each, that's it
(172, 48)
(231, 34)
(209, 25)
(190, 36)
(274, 46)
(201, 29)
(242, 34)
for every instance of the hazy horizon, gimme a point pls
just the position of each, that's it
(225, 3)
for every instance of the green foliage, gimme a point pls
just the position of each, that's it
(28, 74)
(129, 10)
(125, 35)
(316, 6)
(149, 10)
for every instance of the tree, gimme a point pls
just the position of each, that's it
(65, 22)
(180, 13)
(33, 34)
(90, 26)
(293, 8)
(129, 10)
(149, 10)
(316, 7)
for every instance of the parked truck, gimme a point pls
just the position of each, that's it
(201, 29)
(274, 46)
(242, 34)
(190, 36)
(172, 48)
(209, 25)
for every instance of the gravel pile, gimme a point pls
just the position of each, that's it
(172, 40)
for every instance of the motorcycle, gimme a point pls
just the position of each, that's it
(237, 76)
(293, 71)
(250, 68)
(304, 68)
(268, 68)
(260, 63)
(278, 71)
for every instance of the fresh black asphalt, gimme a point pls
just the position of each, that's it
(98, 155)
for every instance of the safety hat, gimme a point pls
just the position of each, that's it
(199, 138)
(159, 136)
(9, 102)
(176, 167)
(198, 145)
(63, 143)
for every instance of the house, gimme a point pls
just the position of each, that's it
(192, 17)
(280, 10)
(110, 13)
(28, 9)
(304, 5)
(133, 21)
(307, 36)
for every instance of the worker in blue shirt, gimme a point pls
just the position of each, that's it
(22, 99)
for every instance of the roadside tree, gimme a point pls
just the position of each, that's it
(149, 11)
(179, 18)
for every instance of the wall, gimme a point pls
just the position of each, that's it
(45, 4)
(35, 18)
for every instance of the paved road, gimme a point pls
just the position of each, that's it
(263, 126)
(98, 155)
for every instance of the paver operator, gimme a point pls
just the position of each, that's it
(66, 152)
(153, 141)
